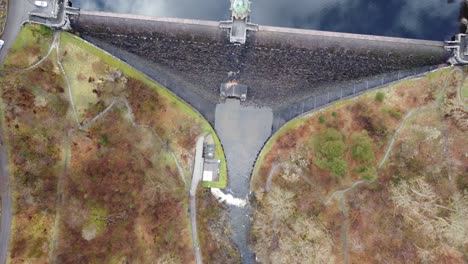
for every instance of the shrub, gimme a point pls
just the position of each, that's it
(333, 149)
(321, 119)
(334, 114)
(367, 171)
(329, 149)
(338, 166)
(395, 114)
(379, 97)
(103, 140)
(361, 148)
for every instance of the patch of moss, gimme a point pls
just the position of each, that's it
(97, 219)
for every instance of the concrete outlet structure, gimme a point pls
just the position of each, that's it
(459, 49)
(55, 15)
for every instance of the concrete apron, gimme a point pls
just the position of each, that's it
(243, 131)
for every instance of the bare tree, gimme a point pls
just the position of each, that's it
(421, 208)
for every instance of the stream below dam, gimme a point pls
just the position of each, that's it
(243, 130)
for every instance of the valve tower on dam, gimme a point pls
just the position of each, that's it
(239, 23)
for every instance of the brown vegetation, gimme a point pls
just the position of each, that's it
(213, 229)
(31, 45)
(107, 192)
(35, 131)
(154, 110)
(122, 192)
(415, 211)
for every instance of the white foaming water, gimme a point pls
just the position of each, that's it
(228, 198)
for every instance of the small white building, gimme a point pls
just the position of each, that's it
(210, 164)
(211, 170)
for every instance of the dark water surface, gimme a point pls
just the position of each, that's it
(422, 19)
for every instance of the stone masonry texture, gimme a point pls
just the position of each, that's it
(279, 67)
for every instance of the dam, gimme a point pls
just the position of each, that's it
(288, 72)
(281, 66)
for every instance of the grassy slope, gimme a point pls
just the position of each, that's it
(297, 122)
(465, 92)
(34, 242)
(180, 105)
(31, 44)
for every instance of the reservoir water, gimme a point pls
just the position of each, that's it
(426, 19)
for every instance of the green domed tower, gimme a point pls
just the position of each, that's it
(240, 8)
(239, 23)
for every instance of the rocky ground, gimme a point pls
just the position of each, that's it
(3, 11)
(276, 72)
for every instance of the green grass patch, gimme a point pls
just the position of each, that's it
(437, 74)
(464, 92)
(266, 149)
(97, 220)
(31, 44)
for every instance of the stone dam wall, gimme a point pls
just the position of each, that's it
(283, 67)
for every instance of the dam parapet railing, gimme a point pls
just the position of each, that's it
(284, 114)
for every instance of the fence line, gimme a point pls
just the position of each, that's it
(330, 95)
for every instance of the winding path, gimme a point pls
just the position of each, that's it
(67, 80)
(270, 177)
(196, 178)
(6, 200)
(60, 195)
(340, 194)
(54, 44)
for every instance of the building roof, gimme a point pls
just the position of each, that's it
(207, 176)
(211, 170)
